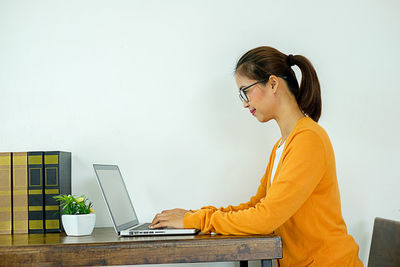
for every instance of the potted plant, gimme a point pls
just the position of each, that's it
(78, 216)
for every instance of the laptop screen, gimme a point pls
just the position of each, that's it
(116, 196)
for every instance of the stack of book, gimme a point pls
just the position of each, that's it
(28, 182)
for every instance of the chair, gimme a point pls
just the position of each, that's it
(385, 244)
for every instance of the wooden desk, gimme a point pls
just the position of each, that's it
(104, 247)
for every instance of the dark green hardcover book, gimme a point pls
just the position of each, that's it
(57, 177)
(35, 192)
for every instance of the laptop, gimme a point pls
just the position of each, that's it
(120, 205)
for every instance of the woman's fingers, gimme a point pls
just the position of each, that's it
(160, 220)
(155, 219)
(169, 218)
(157, 225)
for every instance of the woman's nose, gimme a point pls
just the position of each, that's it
(245, 104)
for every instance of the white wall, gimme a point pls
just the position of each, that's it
(149, 85)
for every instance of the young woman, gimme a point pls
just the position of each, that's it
(298, 198)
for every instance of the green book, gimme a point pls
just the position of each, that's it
(35, 192)
(57, 180)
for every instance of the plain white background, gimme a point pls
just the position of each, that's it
(149, 85)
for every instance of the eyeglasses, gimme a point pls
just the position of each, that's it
(242, 92)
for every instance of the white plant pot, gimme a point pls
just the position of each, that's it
(80, 224)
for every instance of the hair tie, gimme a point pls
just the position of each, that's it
(290, 60)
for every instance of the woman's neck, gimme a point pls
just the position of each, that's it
(287, 120)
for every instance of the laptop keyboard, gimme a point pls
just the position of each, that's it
(145, 226)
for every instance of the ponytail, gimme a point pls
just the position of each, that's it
(262, 61)
(309, 94)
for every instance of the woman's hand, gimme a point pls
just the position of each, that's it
(169, 218)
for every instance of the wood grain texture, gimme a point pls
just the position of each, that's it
(104, 247)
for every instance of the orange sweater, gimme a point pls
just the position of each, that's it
(302, 205)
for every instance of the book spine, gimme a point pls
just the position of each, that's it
(65, 174)
(5, 194)
(20, 192)
(35, 192)
(57, 166)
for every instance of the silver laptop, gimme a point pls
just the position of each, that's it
(120, 205)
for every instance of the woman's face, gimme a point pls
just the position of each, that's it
(262, 102)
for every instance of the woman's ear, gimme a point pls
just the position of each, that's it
(274, 81)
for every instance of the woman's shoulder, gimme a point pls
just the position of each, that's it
(307, 124)
(307, 139)
(309, 131)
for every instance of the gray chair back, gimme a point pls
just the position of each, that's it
(385, 244)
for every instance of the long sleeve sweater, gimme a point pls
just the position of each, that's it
(302, 205)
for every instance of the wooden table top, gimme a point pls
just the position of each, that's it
(104, 247)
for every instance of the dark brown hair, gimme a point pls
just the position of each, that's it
(262, 61)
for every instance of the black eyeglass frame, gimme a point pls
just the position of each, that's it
(242, 92)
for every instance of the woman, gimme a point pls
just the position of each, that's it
(298, 198)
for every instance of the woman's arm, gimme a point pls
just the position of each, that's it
(261, 192)
(175, 217)
(303, 167)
